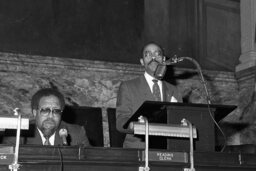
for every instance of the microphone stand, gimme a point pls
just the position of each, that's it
(185, 122)
(143, 119)
(15, 165)
(176, 59)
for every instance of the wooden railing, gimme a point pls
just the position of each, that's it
(106, 159)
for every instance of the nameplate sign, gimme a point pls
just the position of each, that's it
(6, 155)
(6, 159)
(180, 157)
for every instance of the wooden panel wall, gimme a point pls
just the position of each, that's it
(88, 29)
(220, 34)
(116, 30)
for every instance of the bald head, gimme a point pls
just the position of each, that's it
(153, 48)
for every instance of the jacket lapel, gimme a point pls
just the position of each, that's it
(146, 89)
(146, 92)
(57, 139)
(167, 93)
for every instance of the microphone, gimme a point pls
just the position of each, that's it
(161, 67)
(63, 133)
(160, 71)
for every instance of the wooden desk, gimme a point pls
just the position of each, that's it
(110, 159)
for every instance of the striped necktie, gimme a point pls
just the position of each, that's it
(156, 90)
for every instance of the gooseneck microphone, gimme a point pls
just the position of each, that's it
(199, 70)
(162, 67)
(63, 133)
(175, 60)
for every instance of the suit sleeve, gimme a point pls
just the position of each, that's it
(123, 107)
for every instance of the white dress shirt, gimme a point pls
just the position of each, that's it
(150, 82)
(149, 79)
(51, 139)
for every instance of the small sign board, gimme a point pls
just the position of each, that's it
(163, 156)
(6, 155)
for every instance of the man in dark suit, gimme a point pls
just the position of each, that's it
(48, 129)
(134, 92)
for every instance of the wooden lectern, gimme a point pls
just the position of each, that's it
(173, 113)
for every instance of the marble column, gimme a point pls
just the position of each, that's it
(245, 73)
(248, 28)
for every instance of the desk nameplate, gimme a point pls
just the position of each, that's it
(163, 156)
(6, 155)
(6, 159)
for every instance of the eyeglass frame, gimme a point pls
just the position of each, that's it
(157, 54)
(58, 114)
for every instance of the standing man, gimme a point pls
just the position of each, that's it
(47, 105)
(133, 93)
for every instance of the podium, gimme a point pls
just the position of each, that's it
(173, 113)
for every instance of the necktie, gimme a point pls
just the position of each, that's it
(156, 91)
(47, 142)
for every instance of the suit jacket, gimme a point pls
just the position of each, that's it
(76, 135)
(130, 97)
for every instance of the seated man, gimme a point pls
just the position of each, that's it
(47, 106)
(133, 93)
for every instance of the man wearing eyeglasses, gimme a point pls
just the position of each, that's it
(146, 87)
(47, 105)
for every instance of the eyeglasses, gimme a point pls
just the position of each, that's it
(157, 54)
(47, 111)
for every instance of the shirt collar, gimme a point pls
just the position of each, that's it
(51, 139)
(149, 79)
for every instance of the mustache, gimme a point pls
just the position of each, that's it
(153, 60)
